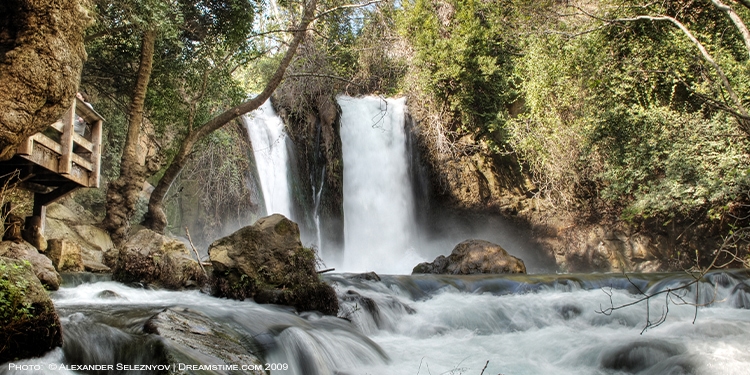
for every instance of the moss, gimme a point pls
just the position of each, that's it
(285, 228)
(14, 305)
(29, 325)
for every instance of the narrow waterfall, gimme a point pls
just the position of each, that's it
(379, 219)
(271, 149)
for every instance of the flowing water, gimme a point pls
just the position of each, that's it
(271, 148)
(379, 218)
(421, 324)
(428, 324)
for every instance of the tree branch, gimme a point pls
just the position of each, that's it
(347, 6)
(706, 55)
(301, 75)
(737, 22)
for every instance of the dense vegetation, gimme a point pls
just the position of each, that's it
(605, 108)
(615, 110)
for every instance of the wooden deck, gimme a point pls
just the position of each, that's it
(57, 161)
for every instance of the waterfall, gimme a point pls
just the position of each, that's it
(379, 218)
(271, 150)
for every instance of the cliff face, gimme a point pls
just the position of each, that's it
(319, 188)
(470, 190)
(466, 181)
(41, 57)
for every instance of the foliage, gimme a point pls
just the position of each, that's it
(199, 46)
(626, 112)
(464, 54)
(661, 161)
(213, 194)
(13, 304)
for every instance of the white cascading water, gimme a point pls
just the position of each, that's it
(437, 324)
(271, 150)
(379, 221)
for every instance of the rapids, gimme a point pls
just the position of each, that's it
(429, 324)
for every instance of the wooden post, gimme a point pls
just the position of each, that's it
(41, 200)
(96, 154)
(26, 147)
(66, 141)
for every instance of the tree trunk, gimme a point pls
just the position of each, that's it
(123, 193)
(156, 219)
(41, 57)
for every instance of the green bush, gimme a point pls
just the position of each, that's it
(14, 306)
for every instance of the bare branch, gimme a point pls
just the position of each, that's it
(737, 22)
(347, 6)
(301, 75)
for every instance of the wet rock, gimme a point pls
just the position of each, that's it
(638, 356)
(740, 296)
(369, 276)
(474, 257)
(190, 337)
(151, 258)
(65, 255)
(41, 265)
(266, 261)
(365, 303)
(95, 267)
(32, 327)
(108, 294)
(568, 311)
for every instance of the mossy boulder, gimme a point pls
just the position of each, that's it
(474, 257)
(267, 262)
(29, 325)
(151, 258)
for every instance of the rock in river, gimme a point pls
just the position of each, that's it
(473, 257)
(29, 325)
(267, 262)
(152, 258)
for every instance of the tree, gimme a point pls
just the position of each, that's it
(41, 56)
(123, 193)
(187, 51)
(155, 217)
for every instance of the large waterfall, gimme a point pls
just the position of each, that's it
(271, 150)
(379, 221)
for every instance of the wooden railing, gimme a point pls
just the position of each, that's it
(61, 150)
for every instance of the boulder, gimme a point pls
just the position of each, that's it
(41, 265)
(72, 222)
(193, 338)
(267, 262)
(29, 325)
(474, 257)
(65, 255)
(151, 258)
(606, 249)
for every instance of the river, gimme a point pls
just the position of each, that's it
(429, 324)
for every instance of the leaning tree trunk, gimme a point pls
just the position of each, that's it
(41, 57)
(123, 193)
(155, 218)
